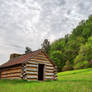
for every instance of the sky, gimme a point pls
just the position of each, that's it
(28, 22)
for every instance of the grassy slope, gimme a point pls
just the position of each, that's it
(72, 81)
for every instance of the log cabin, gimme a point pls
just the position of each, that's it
(35, 65)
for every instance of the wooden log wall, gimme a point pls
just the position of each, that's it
(31, 68)
(11, 73)
(30, 71)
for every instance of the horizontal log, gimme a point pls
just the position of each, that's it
(11, 78)
(30, 73)
(49, 77)
(46, 68)
(49, 68)
(30, 62)
(49, 74)
(12, 71)
(38, 58)
(30, 65)
(38, 62)
(30, 69)
(18, 74)
(41, 59)
(13, 68)
(31, 77)
(50, 65)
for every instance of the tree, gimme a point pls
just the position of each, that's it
(66, 38)
(46, 45)
(75, 47)
(82, 22)
(28, 50)
(84, 56)
(58, 58)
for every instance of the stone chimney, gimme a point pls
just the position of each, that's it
(14, 55)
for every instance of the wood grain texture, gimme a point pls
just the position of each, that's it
(11, 72)
(29, 69)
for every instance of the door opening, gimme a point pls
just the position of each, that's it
(41, 72)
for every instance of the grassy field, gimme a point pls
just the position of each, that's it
(72, 81)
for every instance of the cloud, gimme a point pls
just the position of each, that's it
(28, 22)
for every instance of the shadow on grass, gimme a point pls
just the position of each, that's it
(15, 81)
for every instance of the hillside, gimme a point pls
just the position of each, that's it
(76, 75)
(74, 51)
(71, 81)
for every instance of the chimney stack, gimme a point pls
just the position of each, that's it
(14, 55)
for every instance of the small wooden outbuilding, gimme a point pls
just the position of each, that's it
(32, 66)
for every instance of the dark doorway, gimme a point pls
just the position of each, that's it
(41, 72)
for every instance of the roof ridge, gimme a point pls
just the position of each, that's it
(21, 59)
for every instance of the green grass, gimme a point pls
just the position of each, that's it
(71, 81)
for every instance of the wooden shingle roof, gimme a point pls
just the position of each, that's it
(23, 58)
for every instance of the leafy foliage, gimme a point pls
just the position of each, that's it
(57, 56)
(85, 55)
(76, 47)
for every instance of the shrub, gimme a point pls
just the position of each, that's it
(67, 67)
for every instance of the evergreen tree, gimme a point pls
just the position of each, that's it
(46, 45)
(28, 50)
